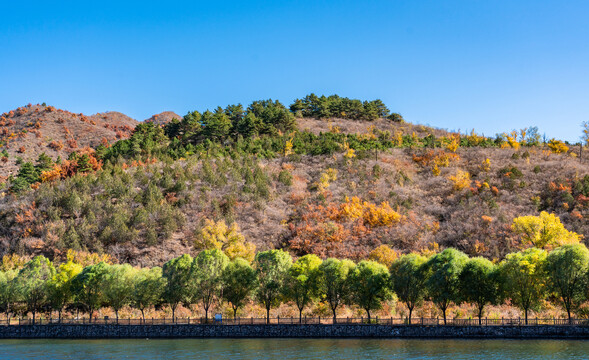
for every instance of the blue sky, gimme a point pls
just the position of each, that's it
(490, 65)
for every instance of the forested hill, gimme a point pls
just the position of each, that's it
(327, 175)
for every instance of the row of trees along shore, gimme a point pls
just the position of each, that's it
(525, 278)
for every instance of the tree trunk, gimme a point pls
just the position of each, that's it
(34, 313)
(143, 315)
(173, 313)
(444, 314)
(410, 312)
(234, 312)
(368, 314)
(569, 314)
(268, 315)
(480, 315)
(300, 315)
(117, 315)
(334, 316)
(206, 314)
(59, 314)
(526, 316)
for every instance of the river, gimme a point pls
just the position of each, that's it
(285, 349)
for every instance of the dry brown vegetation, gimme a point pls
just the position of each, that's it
(163, 118)
(412, 199)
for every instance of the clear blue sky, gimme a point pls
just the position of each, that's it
(488, 64)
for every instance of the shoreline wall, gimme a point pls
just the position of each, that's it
(97, 331)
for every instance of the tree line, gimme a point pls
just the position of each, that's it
(526, 278)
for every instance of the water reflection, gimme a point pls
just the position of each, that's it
(286, 349)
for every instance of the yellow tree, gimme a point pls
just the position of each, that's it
(59, 287)
(461, 180)
(585, 135)
(557, 146)
(544, 231)
(217, 235)
(383, 255)
(288, 147)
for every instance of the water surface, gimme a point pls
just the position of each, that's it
(285, 349)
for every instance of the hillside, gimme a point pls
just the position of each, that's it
(33, 129)
(305, 182)
(163, 118)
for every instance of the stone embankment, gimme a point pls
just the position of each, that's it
(98, 331)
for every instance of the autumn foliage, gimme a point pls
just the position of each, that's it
(345, 229)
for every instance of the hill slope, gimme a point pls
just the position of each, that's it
(33, 129)
(330, 186)
(163, 118)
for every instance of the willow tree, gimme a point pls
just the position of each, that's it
(567, 268)
(239, 282)
(148, 287)
(369, 286)
(31, 283)
(118, 287)
(523, 278)
(408, 279)
(177, 273)
(8, 294)
(60, 288)
(301, 282)
(88, 286)
(332, 282)
(478, 283)
(271, 270)
(207, 277)
(443, 283)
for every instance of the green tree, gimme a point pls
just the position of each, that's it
(216, 126)
(59, 287)
(408, 278)
(478, 283)
(369, 286)
(118, 287)
(239, 282)
(442, 283)
(88, 286)
(177, 274)
(27, 175)
(235, 113)
(301, 282)
(44, 163)
(333, 284)
(249, 126)
(271, 269)
(370, 111)
(273, 115)
(396, 117)
(207, 273)
(523, 278)
(567, 268)
(31, 283)
(148, 287)
(8, 294)
(381, 108)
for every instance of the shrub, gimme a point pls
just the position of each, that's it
(461, 180)
(285, 177)
(557, 146)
